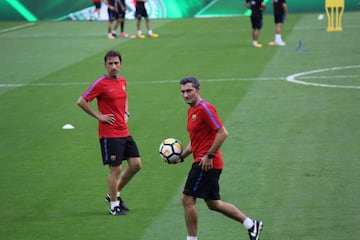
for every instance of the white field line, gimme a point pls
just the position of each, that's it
(294, 78)
(16, 27)
(206, 7)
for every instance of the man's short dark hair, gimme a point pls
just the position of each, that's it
(193, 80)
(112, 53)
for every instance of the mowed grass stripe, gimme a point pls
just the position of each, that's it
(302, 143)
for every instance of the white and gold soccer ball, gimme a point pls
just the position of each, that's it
(170, 150)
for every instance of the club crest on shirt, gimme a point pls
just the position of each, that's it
(193, 117)
(113, 157)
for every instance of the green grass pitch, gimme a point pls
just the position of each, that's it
(291, 160)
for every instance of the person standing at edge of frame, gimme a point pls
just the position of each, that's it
(121, 5)
(141, 12)
(280, 14)
(114, 16)
(257, 8)
(96, 12)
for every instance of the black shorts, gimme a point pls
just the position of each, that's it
(97, 5)
(113, 15)
(115, 150)
(203, 184)
(140, 11)
(256, 21)
(279, 17)
(121, 13)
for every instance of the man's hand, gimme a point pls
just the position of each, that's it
(180, 160)
(206, 163)
(107, 118)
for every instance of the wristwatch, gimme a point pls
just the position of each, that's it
(210, 155)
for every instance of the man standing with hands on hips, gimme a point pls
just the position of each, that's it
(115, 140)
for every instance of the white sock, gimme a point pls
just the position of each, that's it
(150, 32)
(278, 38)
(191, 238)
(114, 204)
(248, 223)
(139, 32)
(118, 194)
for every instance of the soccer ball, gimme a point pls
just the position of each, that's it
(170, 150)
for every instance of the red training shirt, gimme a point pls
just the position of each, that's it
(202, 124)
(111, 99)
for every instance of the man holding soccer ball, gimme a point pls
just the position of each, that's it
(207, 134)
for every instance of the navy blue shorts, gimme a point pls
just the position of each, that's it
(203, 184)
(115, 150)
(113, 15)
